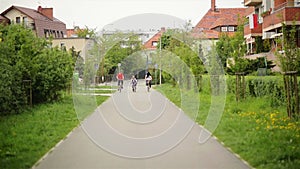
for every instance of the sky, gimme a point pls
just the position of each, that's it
(97, 14)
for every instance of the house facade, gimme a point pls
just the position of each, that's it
(217, 21)
(41, 21)
(266, 18)
(152, 43)
(82, 45)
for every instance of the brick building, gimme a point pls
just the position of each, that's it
(270, 15)
(218, 20)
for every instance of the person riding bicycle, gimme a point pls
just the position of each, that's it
(133, 83)
(120, 78)
(148, 79)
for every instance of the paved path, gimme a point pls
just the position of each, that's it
(138, 131)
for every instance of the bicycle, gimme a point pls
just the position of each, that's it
(120, 88)
(120, 85)
(148, 85)
(133, 83)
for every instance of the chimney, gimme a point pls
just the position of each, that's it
(213, 5)
(48, 12)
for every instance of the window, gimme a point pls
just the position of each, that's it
(25, 20)
(223, 29)
(231, 28)
(18, 20)
(154, 43)
(54, 34)
(62, 45)
(297, 2)
(46, 33)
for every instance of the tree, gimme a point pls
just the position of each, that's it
(234, 47)
(115, 49)
(180, 43)
(86, 32)
(289, 59)
(224, 48)
(27, 58)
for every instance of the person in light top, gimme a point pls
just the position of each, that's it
(148, 79)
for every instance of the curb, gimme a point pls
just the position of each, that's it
(53, 148)
(59, 143)
(228, 148)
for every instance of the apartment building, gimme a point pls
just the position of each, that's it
(266, 18)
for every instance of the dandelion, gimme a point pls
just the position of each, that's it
(272, 115)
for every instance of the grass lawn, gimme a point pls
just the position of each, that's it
(26, 137)
(262, 135)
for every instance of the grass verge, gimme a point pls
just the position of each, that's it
(26, 137)
(262, 135)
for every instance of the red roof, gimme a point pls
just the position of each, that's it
(219, 17)
(34, 14)
(43, 20)
(3, 19)
(155, 38)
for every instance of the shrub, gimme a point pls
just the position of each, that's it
(26, 57)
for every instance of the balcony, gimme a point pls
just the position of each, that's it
(285, 13)
(252, 2)
(253, 32)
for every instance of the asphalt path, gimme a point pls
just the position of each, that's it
(139, 130)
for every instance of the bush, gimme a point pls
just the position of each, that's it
(26, 57)
(54, 74)
(271, 87)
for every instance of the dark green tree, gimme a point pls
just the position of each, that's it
(224, 48)
(27, 58)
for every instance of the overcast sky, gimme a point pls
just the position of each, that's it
(98, 13)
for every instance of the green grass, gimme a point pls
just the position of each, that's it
(104, 91)
(26, 137)
(261, 134)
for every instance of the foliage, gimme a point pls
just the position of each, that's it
(26, 57)
(233, 47)
(86, 32)
(78, 61)
(262, 45)
(179, 43)
(289, 57)
(271, 87)
(116, 48)
(251, 65)
(224, 48)
(55, 69)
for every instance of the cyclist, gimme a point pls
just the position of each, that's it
(148, 79)
(133, 83)
(120, 78)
